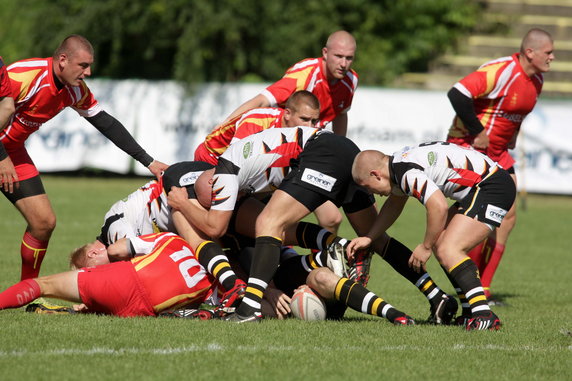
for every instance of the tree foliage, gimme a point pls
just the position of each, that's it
(235, 40)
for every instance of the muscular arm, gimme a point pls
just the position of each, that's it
(256, 102)
(437, 209)
(213, 223)
(388, 214)
(8, 176)
(112, 129)
(340, 124)
(121, 250)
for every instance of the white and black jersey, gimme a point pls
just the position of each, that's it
(257, 163)
(146, 211)
(454, 170)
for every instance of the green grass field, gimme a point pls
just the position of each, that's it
(535, 342)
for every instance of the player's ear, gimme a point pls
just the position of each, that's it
(375, 173)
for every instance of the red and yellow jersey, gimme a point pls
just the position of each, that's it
(503, 95)
(250, 122)
(4, 81)
(309, 75)
(170, 274)
(38, 99)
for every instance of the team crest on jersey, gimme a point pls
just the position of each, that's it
(318, 179)
(432, 158)
(247, 150)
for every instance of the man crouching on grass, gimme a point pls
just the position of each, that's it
(430, 172)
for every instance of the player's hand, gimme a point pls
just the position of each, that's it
(157, 168)
(8, 176)
(80, 307)
(481, 141)
(279, 301)
(177, 197)
(357, 244)
(419, 258)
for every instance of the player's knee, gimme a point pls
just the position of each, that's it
(270, 222)
(323, 280)
(42, 227)
(331, 222)
(509, 221)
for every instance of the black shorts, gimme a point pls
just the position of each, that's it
(490, 200)
(27, 188)
(323, 172)
(184, 174)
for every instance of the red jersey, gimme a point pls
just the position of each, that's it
(38, 99)
(503, 95)
(250, 122)
(170, 273)
(4, 81)
(309, 75)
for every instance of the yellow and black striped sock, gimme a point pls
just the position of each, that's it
(212, 258)
(362, 300)
(466, 310)
(465, 274)
(264, 264)
(312, 236)
(431, 291)
(397, 255)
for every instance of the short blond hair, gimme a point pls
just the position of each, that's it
(78, 257)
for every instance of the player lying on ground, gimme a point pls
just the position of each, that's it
(431, 172)
(126, 288)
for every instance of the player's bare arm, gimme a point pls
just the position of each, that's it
(256, 102)
(437, 210)
(120, 250)
(8, 175)
(340, 124)
(157, 168)
(388, 214)
(211, 222)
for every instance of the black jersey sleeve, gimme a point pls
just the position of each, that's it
(463, 106)
(112, 129)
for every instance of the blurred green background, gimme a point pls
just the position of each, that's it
(236, 40)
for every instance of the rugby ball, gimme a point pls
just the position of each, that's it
(307, 305)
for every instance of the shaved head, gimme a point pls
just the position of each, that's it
(536, 52)
(72, 44)
(204, 188)
(341, 37)
(534, 39)
(365, 162)
(370, 170)
(300, 98)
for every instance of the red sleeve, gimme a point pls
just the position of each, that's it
(482, 81)
(5, 88)
(87, 106)
(281, 90)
